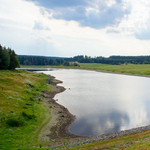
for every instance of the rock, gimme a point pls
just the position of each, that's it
(10, 129)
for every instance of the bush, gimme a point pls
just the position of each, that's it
(28, 116)
(15, 122)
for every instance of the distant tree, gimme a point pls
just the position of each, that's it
(66, 63)
(14, 62)
(51, 62)
(4, 58)
(26, 62)
(76, 64)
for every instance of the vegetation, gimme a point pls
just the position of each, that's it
(113, 60)
(134, 141)
(22, 114)
(133, 69)
(8, 59)
(41, 60)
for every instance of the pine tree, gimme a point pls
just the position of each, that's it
(4, 58)
(14, 62)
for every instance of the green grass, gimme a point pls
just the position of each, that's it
(22, 115)
(134, 141)
(140, 69)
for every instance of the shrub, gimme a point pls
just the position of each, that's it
(15, 122)
(28, 116)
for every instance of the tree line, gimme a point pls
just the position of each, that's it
(41, 60)
(72, 61)
(113, 60)
(8, 59)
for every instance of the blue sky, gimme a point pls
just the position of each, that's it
(76, 27)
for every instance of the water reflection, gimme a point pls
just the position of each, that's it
(100, 123)
(104, 102)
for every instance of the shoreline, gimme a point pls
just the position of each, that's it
(119, 73)
(57, 127)
(50, 69)
(136, 75)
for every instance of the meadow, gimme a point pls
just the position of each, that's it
(22, 113)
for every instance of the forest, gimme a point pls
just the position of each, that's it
(43, 60)
(8, 59)
(113, 60)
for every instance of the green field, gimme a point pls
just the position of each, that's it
(135, 141)
(139, 69)
(22, 113)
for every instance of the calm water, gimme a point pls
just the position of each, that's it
(104, 102)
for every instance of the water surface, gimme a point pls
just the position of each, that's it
(104, 102)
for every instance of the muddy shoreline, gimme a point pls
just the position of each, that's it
(58, 126)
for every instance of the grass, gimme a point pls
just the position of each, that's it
(134, 141)
(140, 69)
(22, 115)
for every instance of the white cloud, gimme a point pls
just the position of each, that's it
(105, 28)
(137, 23)
(18, 21)
(18, 11)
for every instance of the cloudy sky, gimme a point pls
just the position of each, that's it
(76, 27)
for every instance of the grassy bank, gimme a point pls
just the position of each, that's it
(134, 141)
(22, 113)
(133, 69)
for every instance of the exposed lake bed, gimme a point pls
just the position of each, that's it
(58, 126)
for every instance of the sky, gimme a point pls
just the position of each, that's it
(66, 28)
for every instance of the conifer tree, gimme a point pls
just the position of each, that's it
(4, 58)
(14, 63)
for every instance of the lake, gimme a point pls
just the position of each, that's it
(103, 102)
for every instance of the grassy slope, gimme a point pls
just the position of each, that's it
(135, 141)
(22, 115)
(139, 69)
